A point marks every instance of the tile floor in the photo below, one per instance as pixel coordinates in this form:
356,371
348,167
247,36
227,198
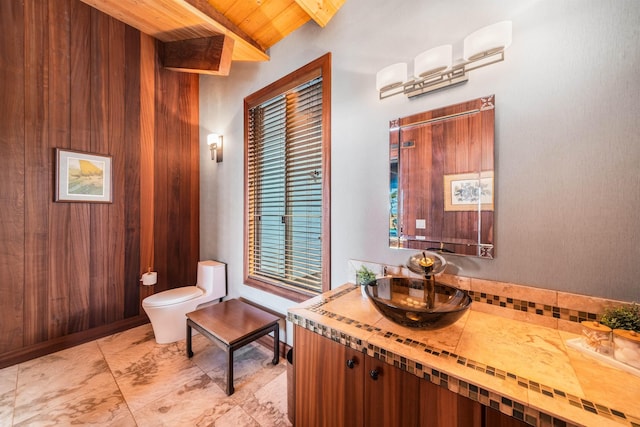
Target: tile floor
126,379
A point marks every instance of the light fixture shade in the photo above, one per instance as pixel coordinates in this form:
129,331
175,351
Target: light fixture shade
213,138
391,76
489,39
432,61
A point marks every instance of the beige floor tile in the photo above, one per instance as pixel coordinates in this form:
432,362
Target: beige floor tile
269,406
103,408
61,378
155,375
236,417
8,383
127,379
197,403
252,367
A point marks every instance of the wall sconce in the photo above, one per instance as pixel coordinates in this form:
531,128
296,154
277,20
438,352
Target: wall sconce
214,141
434,68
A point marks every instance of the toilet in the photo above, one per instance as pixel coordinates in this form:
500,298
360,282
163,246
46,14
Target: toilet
167,309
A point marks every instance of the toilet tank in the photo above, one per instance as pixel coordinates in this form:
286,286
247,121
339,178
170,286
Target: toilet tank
212,278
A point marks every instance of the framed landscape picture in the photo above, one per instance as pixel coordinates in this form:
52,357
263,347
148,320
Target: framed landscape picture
82,177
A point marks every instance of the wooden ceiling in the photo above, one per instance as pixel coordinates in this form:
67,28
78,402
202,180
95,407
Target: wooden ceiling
204,36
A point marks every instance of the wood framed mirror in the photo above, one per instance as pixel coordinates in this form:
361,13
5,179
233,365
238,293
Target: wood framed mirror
442,174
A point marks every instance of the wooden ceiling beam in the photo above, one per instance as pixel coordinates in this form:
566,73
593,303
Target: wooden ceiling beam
246,48
321,11
207,55
253,25
173,20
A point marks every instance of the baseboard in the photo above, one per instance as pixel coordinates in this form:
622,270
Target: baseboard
267,340
37,350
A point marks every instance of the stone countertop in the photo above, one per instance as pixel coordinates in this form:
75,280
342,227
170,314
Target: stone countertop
523,370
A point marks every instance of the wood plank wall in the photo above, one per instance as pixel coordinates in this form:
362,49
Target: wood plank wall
72,77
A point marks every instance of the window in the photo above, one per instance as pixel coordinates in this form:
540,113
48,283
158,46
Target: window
287,171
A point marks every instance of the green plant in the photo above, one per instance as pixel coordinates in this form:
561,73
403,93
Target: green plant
622,317
364,275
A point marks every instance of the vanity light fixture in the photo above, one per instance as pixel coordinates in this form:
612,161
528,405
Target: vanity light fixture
391,77
214,141
434,69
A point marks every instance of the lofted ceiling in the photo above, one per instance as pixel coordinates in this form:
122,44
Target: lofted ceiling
205,36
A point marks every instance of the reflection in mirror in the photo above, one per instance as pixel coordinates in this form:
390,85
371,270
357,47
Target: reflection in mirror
442,179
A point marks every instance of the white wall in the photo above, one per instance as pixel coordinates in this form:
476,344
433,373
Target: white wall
567,138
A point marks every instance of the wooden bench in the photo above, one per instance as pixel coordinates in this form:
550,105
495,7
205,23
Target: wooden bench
230,325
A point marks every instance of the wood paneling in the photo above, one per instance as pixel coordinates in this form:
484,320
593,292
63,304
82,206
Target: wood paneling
56,59
36,179
75,78
78,249
177,187
98,226
12,170
132,173
162,227
117,102
147,157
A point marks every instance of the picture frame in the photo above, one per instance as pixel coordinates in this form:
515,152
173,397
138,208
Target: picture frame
468,192
82,177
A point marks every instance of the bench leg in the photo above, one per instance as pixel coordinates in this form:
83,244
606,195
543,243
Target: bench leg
229,372
189,350
276,344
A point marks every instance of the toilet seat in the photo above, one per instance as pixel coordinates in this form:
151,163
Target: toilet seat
173,296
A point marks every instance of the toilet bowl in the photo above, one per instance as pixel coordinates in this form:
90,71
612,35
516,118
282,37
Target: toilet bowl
167,309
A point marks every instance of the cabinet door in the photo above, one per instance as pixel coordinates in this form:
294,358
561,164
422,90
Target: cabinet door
328,378
391,395
495,418
440,407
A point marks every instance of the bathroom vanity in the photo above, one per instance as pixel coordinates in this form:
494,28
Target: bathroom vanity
350,388
354,367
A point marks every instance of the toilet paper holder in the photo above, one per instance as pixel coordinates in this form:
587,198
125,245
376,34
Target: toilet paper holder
149,278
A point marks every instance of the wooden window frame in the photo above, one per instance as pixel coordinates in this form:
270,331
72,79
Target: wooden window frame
320,66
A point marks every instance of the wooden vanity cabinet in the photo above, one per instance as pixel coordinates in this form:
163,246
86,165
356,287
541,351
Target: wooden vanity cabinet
440,407
391,395
336,386
329,393
495,418
339,386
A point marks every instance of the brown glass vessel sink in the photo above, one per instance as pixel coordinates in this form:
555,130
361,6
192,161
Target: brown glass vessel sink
406,301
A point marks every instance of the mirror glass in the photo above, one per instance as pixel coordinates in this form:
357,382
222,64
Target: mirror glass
442,179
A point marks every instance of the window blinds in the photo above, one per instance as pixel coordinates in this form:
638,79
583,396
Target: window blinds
285,188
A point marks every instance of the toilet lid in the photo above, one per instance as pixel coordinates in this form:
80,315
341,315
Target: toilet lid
172,296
